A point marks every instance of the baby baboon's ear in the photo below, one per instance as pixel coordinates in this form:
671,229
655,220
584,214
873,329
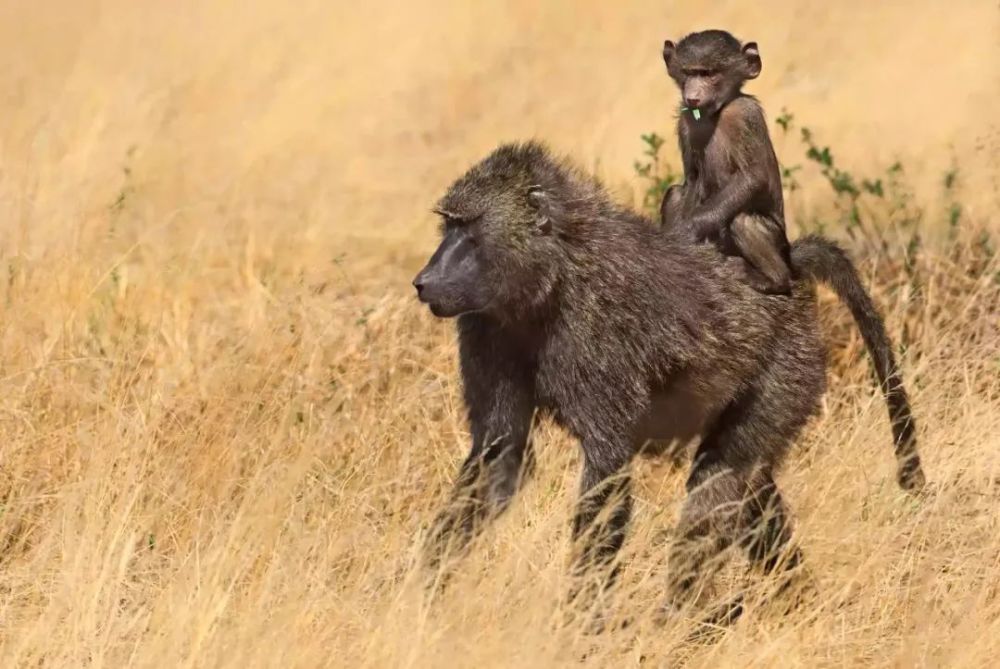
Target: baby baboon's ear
751,55
668,52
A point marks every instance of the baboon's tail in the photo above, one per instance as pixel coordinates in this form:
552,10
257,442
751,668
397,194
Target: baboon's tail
823,261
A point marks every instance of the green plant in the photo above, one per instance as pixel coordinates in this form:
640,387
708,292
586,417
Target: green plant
876,211
657,174
859,200
788,180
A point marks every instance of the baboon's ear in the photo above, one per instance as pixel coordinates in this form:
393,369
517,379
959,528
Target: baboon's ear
536,196
668,52
751,54
539,201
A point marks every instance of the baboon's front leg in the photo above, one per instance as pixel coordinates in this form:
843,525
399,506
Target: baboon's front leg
500,402
602,514
599,523
486,483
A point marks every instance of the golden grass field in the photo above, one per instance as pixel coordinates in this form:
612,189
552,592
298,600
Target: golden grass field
225,421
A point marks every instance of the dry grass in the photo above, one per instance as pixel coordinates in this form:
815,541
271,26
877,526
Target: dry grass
224,421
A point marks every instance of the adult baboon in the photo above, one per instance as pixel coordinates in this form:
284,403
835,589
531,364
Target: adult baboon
570,304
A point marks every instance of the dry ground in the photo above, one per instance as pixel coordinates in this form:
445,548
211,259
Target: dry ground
224,421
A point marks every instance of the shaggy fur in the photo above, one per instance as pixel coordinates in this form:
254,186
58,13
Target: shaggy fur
731,193
626,333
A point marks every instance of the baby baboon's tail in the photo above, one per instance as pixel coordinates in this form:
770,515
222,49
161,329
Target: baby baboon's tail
823,261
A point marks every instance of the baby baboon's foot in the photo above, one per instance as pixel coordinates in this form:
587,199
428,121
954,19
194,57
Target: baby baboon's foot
756,279
763,284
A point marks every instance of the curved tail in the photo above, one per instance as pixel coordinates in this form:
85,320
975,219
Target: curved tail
823,261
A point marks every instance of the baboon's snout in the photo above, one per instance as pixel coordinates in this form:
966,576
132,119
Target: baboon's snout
418,283
422,281
441,292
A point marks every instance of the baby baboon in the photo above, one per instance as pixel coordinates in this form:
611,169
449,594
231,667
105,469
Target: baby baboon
732,185
569,304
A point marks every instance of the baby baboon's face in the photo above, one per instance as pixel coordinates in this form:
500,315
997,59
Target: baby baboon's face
709,68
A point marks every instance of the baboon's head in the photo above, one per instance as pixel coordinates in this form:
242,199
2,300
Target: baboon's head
710,67
497,242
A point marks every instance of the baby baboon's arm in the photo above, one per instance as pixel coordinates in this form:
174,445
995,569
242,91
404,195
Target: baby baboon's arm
742,168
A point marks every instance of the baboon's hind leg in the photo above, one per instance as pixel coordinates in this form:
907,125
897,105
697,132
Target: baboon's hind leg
728,504
768,528
732,495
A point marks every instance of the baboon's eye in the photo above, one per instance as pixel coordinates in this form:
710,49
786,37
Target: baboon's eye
466,221
453,220
448,218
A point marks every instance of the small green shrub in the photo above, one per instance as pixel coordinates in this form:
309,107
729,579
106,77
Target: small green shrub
654,173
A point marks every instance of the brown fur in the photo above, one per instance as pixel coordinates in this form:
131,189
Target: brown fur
616,329
732,184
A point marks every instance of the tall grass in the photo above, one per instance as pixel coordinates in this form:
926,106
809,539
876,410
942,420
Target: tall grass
225,423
